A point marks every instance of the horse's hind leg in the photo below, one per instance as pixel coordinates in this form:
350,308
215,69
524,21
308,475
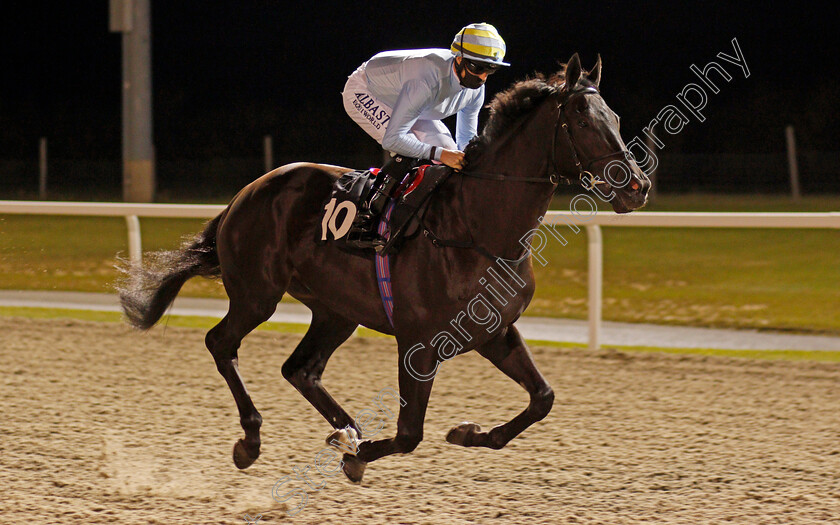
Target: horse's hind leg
223,341
510,355
304,367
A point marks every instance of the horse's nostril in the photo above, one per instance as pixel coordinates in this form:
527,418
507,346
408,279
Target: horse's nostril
635,186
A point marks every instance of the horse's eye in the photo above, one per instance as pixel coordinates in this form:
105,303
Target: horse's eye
582,123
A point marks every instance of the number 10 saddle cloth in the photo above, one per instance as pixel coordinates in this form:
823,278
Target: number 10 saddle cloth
346,206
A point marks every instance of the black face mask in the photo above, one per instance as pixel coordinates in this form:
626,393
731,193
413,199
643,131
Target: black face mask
467,79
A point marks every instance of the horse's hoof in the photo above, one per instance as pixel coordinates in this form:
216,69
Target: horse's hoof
241,457
346,440
460,435
354,468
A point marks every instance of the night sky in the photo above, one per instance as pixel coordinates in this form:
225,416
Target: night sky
225,73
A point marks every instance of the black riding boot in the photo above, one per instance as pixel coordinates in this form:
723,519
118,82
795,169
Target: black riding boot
389,177
363,233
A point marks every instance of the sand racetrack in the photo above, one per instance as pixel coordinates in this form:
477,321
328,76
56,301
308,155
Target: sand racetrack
101,424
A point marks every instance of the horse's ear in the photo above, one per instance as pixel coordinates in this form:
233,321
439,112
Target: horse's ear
573,72
595,74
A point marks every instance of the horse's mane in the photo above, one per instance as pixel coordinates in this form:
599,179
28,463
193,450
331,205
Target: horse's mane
509,106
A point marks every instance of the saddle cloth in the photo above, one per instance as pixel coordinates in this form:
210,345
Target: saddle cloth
411,199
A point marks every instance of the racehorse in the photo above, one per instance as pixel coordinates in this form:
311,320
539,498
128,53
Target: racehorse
541,131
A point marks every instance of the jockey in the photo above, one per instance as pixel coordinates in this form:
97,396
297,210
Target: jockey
400,97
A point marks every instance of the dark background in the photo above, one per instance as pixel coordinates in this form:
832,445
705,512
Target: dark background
227,73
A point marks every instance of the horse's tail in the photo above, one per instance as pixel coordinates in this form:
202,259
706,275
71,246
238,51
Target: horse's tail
148,289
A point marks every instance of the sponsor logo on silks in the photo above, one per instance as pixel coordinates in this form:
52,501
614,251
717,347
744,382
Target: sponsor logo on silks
368,107
331,218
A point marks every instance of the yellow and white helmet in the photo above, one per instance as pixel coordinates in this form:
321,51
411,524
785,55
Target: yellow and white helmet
480,43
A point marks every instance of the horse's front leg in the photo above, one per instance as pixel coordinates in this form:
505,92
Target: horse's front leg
510,355
415,383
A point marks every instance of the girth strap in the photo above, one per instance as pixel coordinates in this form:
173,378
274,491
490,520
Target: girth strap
383,268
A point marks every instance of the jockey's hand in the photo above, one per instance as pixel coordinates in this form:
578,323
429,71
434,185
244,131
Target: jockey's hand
452,158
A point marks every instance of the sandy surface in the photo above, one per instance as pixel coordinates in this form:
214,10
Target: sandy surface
104,425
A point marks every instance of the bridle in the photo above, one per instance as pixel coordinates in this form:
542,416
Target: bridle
583,171
584,175
553,179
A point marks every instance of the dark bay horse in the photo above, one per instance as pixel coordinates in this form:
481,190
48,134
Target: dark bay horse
263,245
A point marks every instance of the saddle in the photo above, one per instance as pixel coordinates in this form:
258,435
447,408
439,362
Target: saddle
410,202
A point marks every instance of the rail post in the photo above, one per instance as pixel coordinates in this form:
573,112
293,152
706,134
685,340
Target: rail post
42,168
793,165
596,283
135,249
268,153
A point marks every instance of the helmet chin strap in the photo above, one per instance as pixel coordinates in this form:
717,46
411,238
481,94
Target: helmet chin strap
465,78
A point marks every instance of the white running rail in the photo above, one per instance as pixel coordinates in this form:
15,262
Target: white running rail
592,223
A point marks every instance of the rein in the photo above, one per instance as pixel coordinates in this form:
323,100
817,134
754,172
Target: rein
553,179
453,243
500,177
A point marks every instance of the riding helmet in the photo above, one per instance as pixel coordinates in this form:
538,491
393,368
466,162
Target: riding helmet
480,43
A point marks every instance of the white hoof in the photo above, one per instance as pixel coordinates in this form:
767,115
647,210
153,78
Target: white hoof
346,440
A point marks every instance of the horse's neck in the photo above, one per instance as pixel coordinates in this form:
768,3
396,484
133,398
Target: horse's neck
500,213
